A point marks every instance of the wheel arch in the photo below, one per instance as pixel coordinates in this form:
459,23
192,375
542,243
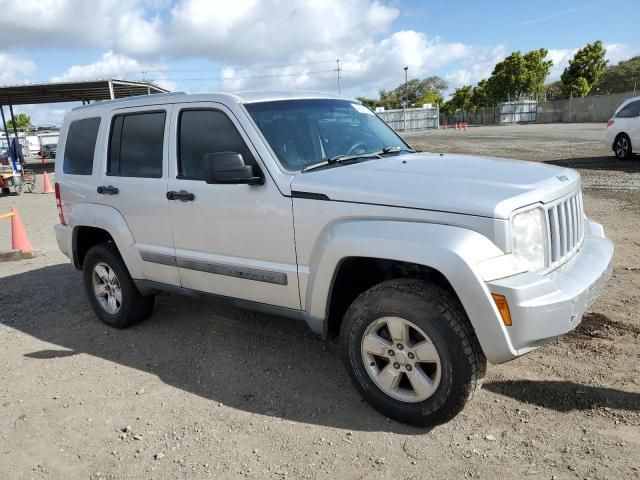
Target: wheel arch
83,238
92,224
443,254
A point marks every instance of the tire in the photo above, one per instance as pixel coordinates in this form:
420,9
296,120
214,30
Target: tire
622,147
18,189
431,312
101,264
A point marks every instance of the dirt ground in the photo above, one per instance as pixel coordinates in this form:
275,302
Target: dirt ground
202,390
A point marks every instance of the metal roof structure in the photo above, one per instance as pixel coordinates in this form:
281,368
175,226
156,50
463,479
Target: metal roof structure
85,91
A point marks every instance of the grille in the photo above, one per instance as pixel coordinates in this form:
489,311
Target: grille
566,228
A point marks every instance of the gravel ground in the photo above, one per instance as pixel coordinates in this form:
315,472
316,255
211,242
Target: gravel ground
202,390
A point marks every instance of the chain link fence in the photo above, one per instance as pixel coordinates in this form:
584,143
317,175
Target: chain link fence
592,109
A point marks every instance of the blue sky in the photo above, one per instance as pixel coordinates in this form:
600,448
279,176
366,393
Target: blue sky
234,45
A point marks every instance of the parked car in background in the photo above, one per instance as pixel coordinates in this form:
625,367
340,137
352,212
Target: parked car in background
48,151
623,130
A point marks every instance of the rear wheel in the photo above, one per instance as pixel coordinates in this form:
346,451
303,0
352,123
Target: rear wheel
622,147
411,352
112,293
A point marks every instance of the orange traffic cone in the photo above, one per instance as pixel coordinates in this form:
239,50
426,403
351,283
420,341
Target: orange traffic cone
19,239
47,188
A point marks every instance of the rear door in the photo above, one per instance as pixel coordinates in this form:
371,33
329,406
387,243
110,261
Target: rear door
135,183
233,240
634,127
628,120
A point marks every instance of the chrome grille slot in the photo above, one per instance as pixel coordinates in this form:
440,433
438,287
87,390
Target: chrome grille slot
566,230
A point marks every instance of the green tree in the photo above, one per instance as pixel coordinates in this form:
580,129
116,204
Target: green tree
432,97
623,77
462,99
579,87
480,97
519,76
412,93
584,70
369,102
554,91
23,121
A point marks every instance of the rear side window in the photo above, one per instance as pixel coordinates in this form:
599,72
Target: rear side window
80,146
206,131
136,145
629,111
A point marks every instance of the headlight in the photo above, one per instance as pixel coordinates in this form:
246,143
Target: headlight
528,234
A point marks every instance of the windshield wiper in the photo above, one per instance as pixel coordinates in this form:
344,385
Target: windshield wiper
346,158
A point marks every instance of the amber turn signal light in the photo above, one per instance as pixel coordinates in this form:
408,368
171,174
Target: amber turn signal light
503,308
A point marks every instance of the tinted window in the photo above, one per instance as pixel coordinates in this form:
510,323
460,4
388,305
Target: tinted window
206,131
135,147
630,110
80,146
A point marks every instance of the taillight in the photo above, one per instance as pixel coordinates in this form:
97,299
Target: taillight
59,204
610,122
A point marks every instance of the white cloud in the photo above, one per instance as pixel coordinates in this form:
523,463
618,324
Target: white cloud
46,114
476,66
244,36
137,35
14,68
560,58
244,31
80,23
110,65
616,52
367,66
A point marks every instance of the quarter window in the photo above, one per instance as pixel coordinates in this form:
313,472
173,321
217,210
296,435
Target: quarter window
80,146
202,132
630,111
136,145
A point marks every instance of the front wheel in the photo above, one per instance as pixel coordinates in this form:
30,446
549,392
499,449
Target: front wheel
411,352
114,297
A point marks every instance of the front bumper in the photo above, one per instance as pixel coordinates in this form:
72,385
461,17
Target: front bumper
544,307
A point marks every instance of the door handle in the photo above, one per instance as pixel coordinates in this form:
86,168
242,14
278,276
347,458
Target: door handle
182,195
109,190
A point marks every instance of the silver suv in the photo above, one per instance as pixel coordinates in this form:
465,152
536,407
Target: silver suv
309,206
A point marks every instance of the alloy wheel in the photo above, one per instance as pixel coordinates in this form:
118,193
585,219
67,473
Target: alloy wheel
401,359
106,288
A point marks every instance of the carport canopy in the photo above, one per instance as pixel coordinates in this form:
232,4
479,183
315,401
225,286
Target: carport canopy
86,91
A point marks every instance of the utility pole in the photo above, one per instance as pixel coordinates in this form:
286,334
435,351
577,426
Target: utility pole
339,79
406,97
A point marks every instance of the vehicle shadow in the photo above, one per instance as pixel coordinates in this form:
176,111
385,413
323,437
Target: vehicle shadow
565,396
609,163
249,361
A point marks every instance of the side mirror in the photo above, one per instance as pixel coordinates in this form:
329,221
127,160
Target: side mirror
228,167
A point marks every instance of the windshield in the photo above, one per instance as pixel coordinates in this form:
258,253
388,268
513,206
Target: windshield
304,132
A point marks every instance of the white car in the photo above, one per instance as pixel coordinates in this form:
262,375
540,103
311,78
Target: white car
311,207
623,130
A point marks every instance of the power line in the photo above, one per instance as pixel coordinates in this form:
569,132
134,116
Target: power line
278,75
237,67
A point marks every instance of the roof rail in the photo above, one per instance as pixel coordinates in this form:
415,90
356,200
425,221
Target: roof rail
128,99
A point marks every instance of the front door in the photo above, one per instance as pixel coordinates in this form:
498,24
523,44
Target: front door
135,184
233,240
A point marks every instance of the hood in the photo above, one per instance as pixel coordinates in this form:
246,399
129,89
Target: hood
485,186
